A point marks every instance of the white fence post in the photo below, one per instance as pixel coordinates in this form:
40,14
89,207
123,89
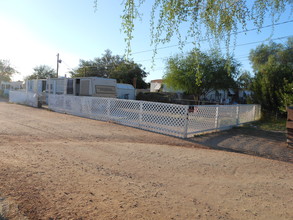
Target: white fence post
64,103
140,113
186,122
26,86
217,117
237,115
108,109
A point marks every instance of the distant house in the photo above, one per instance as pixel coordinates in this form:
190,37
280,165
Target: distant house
157,85
244,95
220,96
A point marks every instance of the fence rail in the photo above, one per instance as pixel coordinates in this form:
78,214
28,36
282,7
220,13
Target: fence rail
170,119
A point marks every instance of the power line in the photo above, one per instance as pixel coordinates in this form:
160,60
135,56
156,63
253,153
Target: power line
67,65
239,32
256,42
239,45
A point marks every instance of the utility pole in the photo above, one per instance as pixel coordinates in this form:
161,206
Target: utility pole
58,61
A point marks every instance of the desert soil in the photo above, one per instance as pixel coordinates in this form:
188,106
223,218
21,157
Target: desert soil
57,166
249,140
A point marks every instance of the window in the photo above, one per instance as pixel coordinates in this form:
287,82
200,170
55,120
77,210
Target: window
69,86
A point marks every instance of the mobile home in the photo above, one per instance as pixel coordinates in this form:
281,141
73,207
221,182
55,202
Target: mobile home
85,86
5,87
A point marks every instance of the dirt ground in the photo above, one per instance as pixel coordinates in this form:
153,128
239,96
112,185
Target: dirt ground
249,140
57,166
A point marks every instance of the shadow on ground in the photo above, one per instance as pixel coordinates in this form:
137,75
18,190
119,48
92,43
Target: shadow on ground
3,100
249,140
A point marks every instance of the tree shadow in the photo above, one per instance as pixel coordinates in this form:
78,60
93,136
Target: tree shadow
249,140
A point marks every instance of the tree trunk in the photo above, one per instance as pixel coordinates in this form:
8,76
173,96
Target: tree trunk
196,99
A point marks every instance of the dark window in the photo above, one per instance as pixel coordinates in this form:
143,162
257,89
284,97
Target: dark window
70,86
43,86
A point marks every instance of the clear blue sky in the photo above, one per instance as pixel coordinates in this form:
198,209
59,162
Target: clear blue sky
34,31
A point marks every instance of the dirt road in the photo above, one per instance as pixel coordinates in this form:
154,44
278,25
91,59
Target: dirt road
55,166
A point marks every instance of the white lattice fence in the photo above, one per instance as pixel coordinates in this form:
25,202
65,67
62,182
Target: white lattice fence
168,119
203,118
23,97
207,117
164,118
247,113
158,117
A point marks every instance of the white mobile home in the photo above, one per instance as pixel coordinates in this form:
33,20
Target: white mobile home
85,86
36,85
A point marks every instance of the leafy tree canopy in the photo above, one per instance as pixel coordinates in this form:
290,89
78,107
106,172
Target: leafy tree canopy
100,66
244,80
182,73
273,67
130,73
42,72
6,71
112,66
209,19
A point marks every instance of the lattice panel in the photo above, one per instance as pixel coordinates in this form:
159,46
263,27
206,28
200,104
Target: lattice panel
86,107
125,112
202,118
164,118
73,105
227,116
25,98
56,103
246,113
98,108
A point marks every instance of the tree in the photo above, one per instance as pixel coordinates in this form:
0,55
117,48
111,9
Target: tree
128,72
112,66
183,74
244,80
43,72
6,71
272,84
216,20
101,67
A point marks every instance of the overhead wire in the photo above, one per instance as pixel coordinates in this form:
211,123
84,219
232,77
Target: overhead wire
68,65
239,45
239,32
